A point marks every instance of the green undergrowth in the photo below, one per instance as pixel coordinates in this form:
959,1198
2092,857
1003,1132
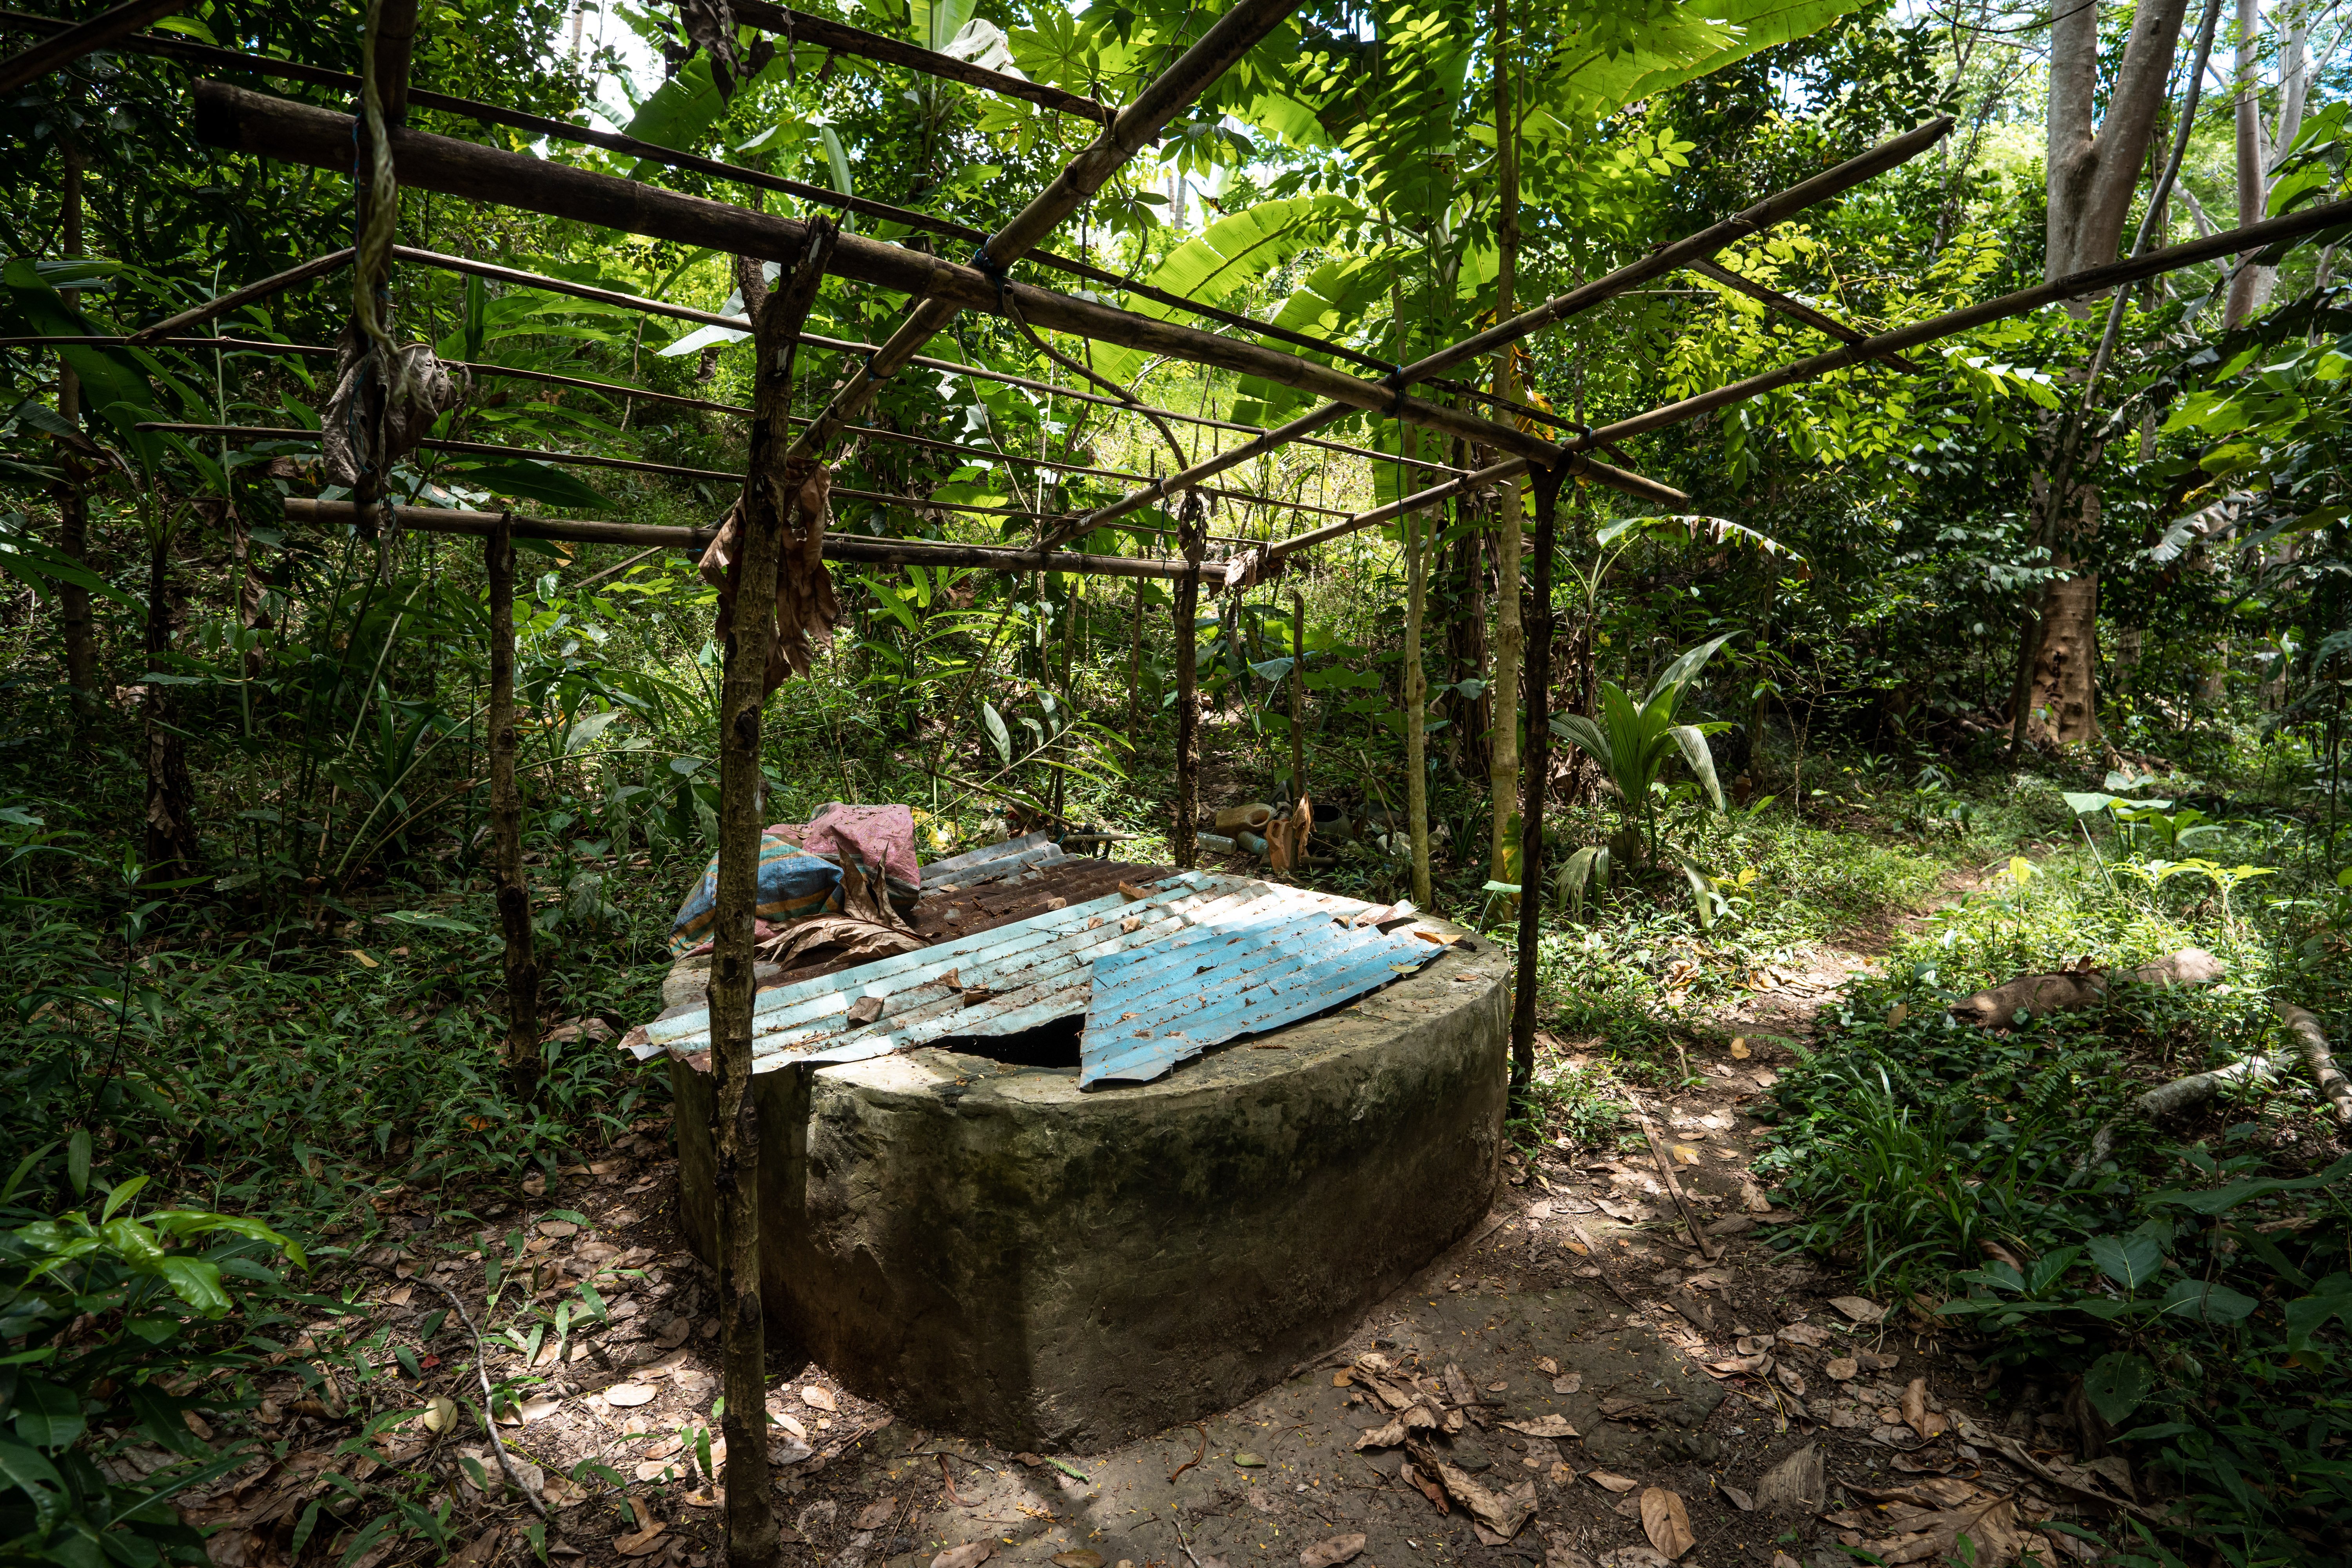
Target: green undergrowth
2189,1277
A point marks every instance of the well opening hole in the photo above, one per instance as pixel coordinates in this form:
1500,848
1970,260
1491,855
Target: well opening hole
1049,1044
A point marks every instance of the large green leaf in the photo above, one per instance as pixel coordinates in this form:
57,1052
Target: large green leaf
1236,250
1691,42
2117,1384
535,481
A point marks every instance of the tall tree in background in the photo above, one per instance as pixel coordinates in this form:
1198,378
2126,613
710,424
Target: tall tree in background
2092,169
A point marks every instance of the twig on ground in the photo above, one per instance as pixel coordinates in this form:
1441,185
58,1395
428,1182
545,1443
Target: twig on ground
1196,1458
952,1454
948,1477
2312,1040
1593,1248
1178,1521
1708,1248
489,1415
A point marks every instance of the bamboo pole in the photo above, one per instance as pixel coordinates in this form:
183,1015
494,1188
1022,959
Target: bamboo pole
799,27
1183,845
494,272
634,464
772,488
1536,777
1503,740
1773,209
2080,285
62,49
1796,309
317,267
1416,701
1298,696
246,122
1230,38
850,548
513,893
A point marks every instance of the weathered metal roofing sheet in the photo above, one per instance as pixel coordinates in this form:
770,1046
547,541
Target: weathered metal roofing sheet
1157,1005
1275,954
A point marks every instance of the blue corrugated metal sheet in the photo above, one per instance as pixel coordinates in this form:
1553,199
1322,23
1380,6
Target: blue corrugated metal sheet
1263,953
1157,1005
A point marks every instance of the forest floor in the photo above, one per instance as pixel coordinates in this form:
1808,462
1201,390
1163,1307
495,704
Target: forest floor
1751,1400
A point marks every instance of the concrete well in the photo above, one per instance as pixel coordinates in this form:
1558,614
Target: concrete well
993,1253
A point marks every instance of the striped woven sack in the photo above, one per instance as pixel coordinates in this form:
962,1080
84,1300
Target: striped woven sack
793,885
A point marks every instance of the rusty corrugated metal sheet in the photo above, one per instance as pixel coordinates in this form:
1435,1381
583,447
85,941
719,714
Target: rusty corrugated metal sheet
1278,954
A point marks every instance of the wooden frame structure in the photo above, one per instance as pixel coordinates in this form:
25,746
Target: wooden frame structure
238,119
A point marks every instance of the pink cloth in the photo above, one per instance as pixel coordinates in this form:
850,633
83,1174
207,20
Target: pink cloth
877,833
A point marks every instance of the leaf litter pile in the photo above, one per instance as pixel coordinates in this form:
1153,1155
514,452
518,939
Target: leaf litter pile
1609,1373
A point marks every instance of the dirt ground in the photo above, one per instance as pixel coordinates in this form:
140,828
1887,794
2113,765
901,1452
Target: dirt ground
1726,1409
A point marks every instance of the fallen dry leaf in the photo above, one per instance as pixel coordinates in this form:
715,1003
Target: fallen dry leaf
1803,1334
1796,1485
1915,1413
1568,1382
640,1543
1740,1500
674,1333
1667,1522
1547,1366
970,1554
626,1394
1739,1049
817,1398
1329,1553
536,1183
1613,1483
1790,1380
558,1228
1387,1436
1080,1558
652,1469
877,1514
865,1010
1842,1367
1543,1427
1858,1308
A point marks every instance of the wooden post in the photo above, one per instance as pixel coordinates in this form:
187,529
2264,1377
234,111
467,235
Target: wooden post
1416,693
1188,699
99,32
1538,775
1503,741
772,491
522,1056
1298,696
73,502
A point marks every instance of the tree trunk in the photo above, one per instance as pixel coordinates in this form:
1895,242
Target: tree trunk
1531,811
512,893
773,486
2061,697
171,849
2250,290
1502,743
2094,166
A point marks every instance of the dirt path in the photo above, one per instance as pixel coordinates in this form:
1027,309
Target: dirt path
1779,1422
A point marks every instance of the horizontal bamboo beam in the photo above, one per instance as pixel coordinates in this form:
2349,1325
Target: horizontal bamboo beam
2080,285
1771,210
849,549
1797,310
675,471
799,27
317,267
246,122
188,52
69,43
520,278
